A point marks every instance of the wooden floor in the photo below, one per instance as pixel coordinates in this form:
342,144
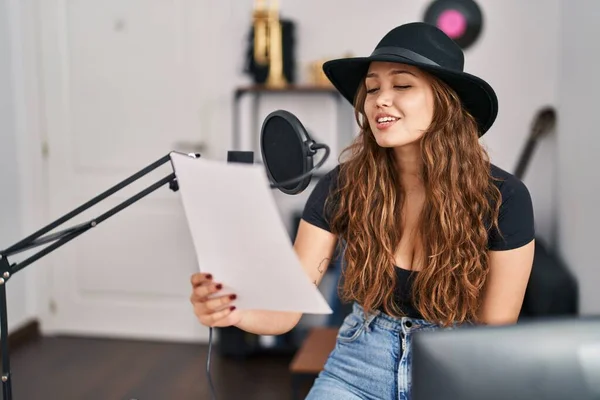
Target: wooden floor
100,369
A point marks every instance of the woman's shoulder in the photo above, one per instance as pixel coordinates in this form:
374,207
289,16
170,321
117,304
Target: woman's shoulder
333,173
516,218
502,174
315,211
327,181
507,183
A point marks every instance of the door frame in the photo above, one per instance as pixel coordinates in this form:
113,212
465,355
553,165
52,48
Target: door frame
31,147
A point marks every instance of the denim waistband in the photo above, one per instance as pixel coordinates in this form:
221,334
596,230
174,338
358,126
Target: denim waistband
388,322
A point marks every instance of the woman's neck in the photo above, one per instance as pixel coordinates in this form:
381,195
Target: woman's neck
410,167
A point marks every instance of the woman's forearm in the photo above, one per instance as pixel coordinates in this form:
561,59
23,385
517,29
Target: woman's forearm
262,322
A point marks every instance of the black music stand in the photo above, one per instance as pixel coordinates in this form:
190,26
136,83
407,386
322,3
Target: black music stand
41,237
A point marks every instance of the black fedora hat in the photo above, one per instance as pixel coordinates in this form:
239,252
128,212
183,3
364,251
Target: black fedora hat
428,48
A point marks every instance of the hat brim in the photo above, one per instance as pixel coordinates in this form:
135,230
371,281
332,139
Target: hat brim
477,96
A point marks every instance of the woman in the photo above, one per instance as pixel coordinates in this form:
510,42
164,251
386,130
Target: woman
434,235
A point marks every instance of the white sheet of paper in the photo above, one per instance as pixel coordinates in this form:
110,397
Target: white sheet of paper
239,236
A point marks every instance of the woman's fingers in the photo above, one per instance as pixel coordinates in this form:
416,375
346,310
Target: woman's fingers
214,318
212,310
199,278
207,306
219,302
205,290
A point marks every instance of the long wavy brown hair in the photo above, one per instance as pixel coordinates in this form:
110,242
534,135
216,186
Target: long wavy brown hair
462,204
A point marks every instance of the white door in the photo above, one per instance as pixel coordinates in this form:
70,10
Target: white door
119,92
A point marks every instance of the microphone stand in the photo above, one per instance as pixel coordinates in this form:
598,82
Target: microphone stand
7,270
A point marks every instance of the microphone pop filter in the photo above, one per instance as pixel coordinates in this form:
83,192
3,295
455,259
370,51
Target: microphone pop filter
287,151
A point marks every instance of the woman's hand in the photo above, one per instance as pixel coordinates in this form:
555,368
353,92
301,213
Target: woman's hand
216,311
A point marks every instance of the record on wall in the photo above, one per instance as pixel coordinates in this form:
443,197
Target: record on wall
461,20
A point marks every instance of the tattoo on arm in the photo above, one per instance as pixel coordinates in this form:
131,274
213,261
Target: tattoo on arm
321,268
322,265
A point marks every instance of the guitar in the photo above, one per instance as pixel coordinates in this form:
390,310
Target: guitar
544,122
552,289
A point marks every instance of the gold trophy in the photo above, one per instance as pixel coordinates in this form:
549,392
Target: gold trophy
268,42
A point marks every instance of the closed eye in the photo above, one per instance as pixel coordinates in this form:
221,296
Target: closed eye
373,90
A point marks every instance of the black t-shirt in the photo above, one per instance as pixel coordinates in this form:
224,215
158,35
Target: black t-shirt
515,220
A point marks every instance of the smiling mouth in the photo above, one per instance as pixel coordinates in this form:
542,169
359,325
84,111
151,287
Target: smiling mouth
386,122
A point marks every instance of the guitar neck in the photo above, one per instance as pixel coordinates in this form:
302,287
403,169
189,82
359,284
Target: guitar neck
525,158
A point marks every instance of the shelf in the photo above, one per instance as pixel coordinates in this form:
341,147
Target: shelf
296,89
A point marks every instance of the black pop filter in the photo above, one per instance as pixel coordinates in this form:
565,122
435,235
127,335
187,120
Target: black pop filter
288,152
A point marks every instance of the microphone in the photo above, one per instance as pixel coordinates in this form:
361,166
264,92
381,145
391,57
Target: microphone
288,152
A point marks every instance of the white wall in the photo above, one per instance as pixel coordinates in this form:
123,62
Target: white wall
579,146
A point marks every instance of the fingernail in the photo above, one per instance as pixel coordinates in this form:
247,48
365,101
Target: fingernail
233,297
208,276
219,286
232,308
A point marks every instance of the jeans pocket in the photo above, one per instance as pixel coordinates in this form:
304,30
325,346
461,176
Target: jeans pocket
351,329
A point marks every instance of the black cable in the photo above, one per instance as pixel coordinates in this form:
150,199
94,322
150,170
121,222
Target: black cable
210,382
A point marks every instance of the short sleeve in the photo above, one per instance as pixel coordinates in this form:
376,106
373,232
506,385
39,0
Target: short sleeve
516,217
314,210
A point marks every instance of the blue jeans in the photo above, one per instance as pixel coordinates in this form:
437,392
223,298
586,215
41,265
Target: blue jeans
371,358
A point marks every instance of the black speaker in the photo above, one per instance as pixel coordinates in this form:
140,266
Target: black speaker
246,157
